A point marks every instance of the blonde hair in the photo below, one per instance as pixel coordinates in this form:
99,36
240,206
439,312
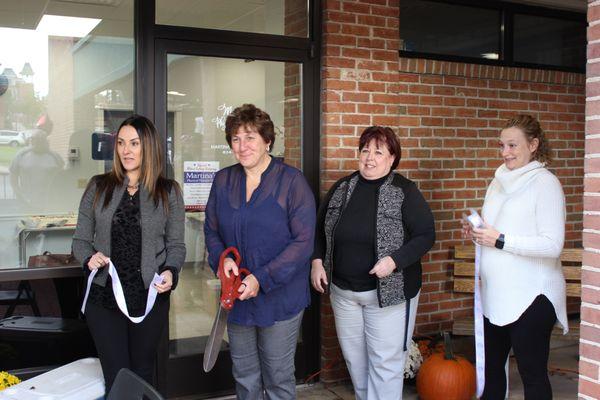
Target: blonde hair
530,126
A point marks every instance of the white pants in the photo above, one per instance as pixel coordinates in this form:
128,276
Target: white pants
372,341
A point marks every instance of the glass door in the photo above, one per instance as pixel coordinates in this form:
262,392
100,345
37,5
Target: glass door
198,93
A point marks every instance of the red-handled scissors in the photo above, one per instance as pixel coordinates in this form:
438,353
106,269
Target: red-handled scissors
230,286
229,293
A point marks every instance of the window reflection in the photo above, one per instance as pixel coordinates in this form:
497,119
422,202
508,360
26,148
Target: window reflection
66,71
277,17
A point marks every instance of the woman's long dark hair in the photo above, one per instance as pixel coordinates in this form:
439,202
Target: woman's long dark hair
151,168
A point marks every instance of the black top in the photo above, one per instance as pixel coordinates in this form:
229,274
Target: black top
354,252
126,254
417,224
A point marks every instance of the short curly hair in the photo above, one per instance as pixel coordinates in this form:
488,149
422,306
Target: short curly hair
250,116
382,134
530,126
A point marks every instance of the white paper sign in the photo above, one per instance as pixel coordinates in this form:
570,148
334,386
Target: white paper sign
197,180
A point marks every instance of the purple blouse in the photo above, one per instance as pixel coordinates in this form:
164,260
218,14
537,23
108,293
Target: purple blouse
274,233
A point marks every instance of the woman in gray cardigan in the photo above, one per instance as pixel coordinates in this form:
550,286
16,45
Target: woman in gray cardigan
133,217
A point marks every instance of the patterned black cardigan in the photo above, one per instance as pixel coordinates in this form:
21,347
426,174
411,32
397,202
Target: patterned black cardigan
405,231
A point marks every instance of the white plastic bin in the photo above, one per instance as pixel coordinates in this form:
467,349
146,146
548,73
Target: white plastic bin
79,380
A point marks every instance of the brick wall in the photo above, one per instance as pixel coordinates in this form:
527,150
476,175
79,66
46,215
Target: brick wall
448,116
359,88
589,346
451,115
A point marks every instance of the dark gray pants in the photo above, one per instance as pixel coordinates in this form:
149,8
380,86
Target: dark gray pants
263,359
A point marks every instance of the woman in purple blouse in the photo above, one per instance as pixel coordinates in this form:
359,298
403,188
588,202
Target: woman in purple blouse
266,209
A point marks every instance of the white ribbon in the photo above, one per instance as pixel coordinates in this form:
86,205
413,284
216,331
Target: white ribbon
120,296
479,338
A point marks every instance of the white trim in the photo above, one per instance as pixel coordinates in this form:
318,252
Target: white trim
591,250
590,268
592,306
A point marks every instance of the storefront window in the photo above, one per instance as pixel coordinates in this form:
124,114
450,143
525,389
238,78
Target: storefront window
66,80
276,17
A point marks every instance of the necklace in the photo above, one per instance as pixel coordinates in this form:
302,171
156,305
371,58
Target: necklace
133,187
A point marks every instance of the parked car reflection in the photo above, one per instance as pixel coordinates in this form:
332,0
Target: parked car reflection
12,138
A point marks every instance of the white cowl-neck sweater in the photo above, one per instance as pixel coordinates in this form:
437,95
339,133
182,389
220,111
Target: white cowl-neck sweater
527,205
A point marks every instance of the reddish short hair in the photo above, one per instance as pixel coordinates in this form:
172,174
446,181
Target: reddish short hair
382,134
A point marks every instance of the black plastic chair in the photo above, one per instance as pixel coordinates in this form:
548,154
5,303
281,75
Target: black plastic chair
130,386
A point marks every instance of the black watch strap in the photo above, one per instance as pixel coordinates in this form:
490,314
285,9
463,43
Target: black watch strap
500,242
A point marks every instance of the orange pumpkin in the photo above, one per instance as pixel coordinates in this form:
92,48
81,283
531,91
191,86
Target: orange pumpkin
444,376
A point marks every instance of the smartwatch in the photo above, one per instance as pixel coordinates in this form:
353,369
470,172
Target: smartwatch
500,242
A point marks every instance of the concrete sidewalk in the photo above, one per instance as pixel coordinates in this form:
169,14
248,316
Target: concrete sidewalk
563,366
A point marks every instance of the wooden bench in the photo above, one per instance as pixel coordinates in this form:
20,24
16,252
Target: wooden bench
464,282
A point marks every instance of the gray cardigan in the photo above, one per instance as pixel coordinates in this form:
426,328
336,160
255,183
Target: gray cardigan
162,234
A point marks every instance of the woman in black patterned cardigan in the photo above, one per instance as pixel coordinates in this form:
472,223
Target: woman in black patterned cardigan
373,227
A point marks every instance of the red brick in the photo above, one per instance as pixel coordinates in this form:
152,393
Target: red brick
370,43
371,20
356,53
593,51
589,333
356,8
339,107
591,296
370,65
338,62
356,97
371,86
339,17
384,98
589,314
340,85
420,89
454,80
371,108
588,388
356,30
356,119
385,11
342,40
385,33
593,13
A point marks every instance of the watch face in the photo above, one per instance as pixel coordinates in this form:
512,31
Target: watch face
499,243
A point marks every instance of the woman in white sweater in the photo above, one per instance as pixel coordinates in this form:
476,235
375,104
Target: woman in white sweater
523,288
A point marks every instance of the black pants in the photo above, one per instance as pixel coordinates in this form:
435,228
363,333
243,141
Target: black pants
529,337
122,344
